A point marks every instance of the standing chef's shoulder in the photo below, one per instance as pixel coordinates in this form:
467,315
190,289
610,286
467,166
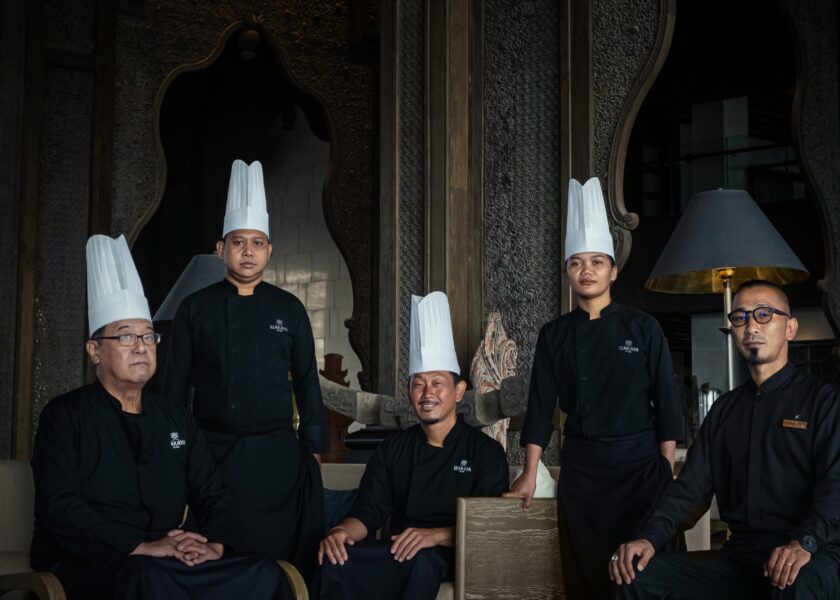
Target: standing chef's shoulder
485,446
637,319
556,329
288,302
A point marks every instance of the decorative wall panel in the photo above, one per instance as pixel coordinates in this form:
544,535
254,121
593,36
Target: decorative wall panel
69,26
157,39
412,198
64,174
522,255
12,58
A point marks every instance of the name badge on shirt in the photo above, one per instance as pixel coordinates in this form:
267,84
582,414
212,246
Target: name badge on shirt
795,424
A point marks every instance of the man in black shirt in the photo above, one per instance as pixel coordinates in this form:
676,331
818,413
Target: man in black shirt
770,452
414,478
609,369
115,466
246,346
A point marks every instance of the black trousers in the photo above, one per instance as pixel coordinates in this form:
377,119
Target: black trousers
276,494
147,578
371,573
606,493
731,575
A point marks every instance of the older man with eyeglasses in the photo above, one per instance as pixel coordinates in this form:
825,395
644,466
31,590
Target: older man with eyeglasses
116,466
770,451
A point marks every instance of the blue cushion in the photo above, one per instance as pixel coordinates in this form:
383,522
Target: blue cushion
337,504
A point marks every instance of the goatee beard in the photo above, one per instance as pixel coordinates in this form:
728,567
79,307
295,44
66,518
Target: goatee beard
753,358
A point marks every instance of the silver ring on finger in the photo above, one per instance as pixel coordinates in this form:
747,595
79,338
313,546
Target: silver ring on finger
614,558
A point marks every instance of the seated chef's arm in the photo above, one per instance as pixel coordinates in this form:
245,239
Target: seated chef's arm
666,396
374,502
73,524
823,520
688,497
312,431
207,498
493,474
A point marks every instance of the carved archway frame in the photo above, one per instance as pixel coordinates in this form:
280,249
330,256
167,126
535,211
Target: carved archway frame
815,123
189,42
621,30
630,42
613,52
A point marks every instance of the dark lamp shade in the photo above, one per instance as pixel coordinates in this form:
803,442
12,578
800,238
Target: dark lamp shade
201,271
723,229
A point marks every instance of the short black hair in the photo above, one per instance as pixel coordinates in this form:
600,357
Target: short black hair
98,332
752,283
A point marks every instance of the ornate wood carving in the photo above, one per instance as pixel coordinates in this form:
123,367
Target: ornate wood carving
522,181
816,125
160,39
630,41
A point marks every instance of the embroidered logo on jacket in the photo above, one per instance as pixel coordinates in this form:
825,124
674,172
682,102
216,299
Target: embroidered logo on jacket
175,440
628,347
464,467
278,326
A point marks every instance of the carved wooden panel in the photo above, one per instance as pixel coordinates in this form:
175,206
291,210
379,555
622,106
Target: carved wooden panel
64,188
412,171
522,268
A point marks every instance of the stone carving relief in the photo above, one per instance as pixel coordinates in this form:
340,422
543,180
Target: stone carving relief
494,361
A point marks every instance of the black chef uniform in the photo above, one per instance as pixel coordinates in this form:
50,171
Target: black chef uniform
614,379
106,480
771,455
415,484
237,352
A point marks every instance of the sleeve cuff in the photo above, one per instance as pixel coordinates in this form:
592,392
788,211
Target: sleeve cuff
366,520
656,536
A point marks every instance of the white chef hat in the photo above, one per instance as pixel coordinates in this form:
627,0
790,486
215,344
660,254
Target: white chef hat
587,228
432,347
246,208
113,286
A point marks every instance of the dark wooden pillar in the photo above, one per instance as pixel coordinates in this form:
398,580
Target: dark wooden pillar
575,110
454,155
28,256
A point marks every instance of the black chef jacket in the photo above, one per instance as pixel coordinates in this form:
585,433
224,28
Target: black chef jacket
772,457
612,376
94,500
416,484
237,352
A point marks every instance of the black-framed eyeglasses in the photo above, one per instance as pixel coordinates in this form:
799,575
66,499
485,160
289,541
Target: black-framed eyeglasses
762,314
129,339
